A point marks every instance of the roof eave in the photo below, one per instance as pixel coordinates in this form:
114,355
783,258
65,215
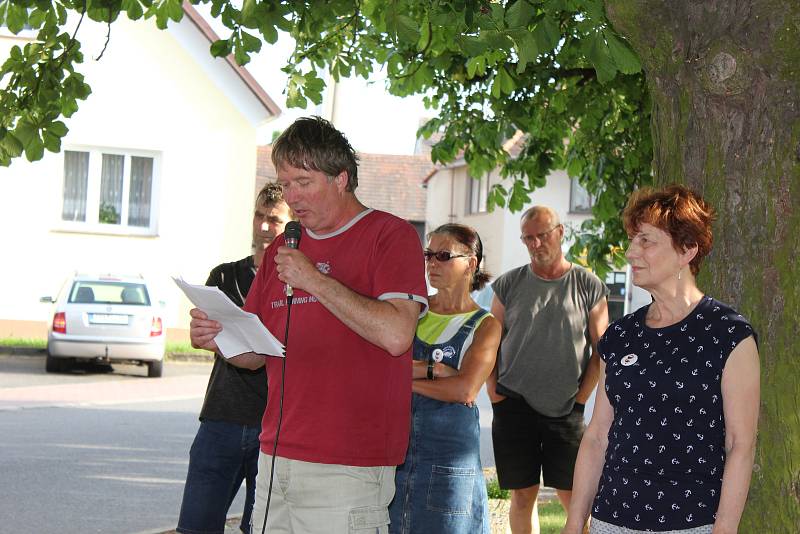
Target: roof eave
243,74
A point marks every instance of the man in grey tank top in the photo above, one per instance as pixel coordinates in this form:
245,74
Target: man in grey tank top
553,313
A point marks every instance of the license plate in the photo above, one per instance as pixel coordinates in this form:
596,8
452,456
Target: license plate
105,318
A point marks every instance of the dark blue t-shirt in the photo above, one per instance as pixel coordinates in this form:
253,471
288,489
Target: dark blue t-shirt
666,445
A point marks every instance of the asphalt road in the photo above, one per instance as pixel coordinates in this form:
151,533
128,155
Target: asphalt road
100,451
95,451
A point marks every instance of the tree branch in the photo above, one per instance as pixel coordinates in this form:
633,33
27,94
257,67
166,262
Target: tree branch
108,37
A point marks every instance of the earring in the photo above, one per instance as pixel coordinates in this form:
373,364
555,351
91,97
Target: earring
679,273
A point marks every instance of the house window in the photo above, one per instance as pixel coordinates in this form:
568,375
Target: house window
615,281
477,194
109,191
580,201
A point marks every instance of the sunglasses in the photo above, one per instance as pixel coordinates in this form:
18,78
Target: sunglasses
442,255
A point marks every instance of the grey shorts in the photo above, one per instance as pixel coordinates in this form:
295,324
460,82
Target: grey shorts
601,527
311,498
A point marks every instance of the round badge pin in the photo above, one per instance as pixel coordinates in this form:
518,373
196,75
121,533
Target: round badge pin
438,355
628,360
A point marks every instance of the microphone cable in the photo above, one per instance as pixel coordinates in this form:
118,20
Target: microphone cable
289,299
292,234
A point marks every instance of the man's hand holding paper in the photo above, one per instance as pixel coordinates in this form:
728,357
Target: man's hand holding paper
203,330
221,326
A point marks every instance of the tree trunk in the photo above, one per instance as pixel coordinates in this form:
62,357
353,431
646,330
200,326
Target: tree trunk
724,78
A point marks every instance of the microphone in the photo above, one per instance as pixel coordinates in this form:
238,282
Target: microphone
292,234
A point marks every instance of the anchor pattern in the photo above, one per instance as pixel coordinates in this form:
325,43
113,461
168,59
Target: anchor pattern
665,455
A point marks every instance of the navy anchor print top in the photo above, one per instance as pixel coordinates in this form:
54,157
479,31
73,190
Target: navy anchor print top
666,445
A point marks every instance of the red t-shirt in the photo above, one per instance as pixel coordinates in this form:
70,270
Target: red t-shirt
346,401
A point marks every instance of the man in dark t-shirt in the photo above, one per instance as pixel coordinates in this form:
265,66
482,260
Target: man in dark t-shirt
225,449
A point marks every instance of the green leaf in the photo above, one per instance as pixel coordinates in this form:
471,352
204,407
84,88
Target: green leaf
594,9
34,150
175,10
240,54
553,6
58,128
16,17
25,132
133,8
596,51
624,58
471,46
404,28
519,196
52,142
37,18
547,34
69,107
527,49
161,19
248,9
476,65
11,145
269,32
604,207
496,39
216,7
497,197
575,167
519,14
221,48
503,83
250,42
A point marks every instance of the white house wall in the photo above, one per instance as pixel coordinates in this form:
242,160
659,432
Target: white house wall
148,94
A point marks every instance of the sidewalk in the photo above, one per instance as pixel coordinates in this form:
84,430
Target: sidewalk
498,510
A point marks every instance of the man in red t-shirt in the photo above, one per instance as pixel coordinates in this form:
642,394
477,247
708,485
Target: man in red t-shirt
359,288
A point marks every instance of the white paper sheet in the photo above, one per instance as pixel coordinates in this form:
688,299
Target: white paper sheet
241,331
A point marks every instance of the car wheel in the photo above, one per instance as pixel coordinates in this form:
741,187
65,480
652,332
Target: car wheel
155,369
54,365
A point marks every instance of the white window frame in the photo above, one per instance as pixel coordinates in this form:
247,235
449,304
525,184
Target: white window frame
92,225
614,278
480,187
25,34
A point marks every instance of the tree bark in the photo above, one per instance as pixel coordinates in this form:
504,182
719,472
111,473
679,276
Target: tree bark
724,78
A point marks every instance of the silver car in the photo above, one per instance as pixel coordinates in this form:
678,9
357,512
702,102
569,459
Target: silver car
105,319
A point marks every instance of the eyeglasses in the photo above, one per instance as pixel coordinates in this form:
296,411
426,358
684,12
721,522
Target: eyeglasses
442,255
541,236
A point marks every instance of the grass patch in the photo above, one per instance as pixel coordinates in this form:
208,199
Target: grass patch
23,342
183,348
29,343
551,517
495,491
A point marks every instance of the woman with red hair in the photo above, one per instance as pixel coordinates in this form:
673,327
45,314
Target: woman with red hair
671,442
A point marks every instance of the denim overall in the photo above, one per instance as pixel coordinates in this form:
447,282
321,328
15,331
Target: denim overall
440,487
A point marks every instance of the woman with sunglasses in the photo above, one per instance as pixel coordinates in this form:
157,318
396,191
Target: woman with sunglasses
440,486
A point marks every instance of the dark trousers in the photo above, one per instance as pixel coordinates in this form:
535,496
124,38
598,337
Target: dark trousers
222,456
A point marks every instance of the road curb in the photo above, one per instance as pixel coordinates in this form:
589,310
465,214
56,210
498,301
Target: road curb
22,351
168,357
